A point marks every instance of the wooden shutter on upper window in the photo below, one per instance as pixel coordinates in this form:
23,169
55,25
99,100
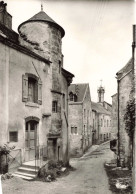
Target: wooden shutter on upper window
24,88
39,91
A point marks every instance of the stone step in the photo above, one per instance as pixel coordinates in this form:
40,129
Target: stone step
30,166
28,170
23,177
25,174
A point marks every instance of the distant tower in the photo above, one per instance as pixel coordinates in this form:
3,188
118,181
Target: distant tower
101,91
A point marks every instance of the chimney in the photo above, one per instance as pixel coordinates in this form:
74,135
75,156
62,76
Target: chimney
5,17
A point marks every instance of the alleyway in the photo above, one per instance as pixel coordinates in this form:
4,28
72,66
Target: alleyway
88,178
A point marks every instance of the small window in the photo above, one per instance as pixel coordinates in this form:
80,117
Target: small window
71,96
13,136
54,106
84,113
72,130
84,129
93,123
59,66
75,130
107,123
63,101
101,123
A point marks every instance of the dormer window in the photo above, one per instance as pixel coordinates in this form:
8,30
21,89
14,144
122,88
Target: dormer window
72,97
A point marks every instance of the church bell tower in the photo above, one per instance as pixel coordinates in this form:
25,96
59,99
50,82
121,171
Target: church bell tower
101,91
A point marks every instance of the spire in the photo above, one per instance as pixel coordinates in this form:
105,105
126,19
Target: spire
101,91
41,6
101,82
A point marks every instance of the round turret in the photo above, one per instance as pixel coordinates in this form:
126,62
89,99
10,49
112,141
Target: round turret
41,34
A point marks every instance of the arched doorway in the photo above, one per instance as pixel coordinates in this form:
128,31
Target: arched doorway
30,139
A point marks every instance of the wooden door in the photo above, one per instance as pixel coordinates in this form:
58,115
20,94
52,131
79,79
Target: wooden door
30,140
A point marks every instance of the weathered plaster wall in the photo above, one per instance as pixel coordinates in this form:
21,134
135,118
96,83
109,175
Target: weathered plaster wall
105,130
87,120
125,86
15,64
114,116
80,116
75,119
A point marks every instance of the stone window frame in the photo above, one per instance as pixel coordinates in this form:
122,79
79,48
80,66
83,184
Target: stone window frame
74,130
13,136
25,89
72,97
54,106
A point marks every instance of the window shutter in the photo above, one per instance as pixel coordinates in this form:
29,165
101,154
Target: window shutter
39,92
25,88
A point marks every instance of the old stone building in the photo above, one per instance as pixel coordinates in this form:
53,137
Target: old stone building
125,82
80,118
101,114
33,88
114,116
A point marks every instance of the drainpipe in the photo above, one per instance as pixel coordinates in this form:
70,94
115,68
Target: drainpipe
118,155
134,135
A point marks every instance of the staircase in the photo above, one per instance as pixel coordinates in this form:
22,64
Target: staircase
27,172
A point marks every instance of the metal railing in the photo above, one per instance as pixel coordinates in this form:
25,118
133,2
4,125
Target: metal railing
41,154
14,159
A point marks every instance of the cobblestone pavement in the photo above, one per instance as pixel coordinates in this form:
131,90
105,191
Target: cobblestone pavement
88,178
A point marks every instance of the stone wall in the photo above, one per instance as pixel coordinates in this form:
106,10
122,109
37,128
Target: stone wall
80,116
14,111
125,86
114,116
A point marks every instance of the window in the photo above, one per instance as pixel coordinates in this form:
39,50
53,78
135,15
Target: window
59,66
84,129
107,123
31,89
93,124
72,97
101,123
63,101
54,106
13,136
73,130
104,122
84,113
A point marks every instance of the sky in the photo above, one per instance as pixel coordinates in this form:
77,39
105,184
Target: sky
98,36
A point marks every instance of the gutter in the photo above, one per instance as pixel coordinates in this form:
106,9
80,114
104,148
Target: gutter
118,156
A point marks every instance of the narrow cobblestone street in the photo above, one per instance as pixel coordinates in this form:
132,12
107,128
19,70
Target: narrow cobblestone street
88,178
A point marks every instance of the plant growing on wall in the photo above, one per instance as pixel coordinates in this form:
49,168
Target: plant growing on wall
4,151
129,118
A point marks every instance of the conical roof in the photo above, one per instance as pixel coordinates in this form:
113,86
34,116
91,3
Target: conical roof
42,16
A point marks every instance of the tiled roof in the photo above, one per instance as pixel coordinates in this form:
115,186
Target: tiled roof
42,16
99,108
78,89
125,69
8,33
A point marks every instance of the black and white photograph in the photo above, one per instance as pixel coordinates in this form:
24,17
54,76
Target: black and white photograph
67,97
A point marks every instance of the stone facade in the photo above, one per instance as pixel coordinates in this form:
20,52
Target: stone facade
34,88
80,119
114,116
125,83
101,123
